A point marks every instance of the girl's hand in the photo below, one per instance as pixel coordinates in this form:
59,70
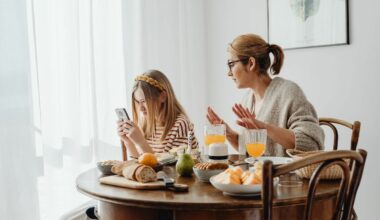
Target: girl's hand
133,132
246,119
122,132
131,149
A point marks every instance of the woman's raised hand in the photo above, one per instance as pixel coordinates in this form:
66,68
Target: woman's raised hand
213,118
246,118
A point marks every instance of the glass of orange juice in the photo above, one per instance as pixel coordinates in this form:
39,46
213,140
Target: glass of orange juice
256,140
214,134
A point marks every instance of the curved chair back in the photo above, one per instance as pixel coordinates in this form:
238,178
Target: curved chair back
347,191
124,151
332,122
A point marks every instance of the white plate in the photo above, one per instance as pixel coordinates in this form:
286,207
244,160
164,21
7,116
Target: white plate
238,189
275,160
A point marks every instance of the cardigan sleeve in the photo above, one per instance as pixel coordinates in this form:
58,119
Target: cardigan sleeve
303,121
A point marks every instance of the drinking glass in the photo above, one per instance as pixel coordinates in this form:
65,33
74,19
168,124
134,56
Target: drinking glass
256,140
214,134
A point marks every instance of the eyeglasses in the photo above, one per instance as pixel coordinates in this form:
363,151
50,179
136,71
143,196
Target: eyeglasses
231,63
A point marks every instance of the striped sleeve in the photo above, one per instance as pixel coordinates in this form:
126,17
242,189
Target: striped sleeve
178,135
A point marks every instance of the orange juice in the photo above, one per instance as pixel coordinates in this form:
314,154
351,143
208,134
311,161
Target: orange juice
255,149
217,138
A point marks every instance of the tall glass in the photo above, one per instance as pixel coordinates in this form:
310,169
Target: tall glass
256,140
214,134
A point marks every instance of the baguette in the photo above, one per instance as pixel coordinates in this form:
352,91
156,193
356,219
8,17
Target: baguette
129,171
145,174
118,168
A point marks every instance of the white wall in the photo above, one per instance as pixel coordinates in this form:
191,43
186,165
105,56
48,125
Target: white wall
340,81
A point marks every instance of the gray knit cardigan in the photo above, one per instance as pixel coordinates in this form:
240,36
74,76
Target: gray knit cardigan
285,105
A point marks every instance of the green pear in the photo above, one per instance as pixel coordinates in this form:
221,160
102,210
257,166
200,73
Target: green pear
184,166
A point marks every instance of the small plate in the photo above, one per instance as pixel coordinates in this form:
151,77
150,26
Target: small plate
168,162
275,160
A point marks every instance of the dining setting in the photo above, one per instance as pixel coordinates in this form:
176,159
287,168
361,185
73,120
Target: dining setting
213,184
224,110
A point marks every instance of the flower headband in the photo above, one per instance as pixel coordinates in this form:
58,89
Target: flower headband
150,81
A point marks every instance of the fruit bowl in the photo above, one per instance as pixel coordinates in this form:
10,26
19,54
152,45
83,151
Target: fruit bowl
105,166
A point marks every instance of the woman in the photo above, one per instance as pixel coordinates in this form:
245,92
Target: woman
272,103
159,121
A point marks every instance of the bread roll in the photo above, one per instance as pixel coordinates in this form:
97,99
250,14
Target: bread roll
129,171
137,172
145,174
118,168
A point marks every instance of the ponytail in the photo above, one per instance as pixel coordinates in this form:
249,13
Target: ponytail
278,58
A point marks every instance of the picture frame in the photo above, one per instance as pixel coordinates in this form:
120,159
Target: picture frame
296,24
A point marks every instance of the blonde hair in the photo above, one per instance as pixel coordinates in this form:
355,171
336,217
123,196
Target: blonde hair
252,45
153,83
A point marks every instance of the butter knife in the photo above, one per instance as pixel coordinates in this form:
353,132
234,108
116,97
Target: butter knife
170,183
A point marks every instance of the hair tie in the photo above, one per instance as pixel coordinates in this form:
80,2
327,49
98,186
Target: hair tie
150,81
270,47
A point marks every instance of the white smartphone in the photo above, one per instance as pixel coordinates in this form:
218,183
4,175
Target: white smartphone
122,114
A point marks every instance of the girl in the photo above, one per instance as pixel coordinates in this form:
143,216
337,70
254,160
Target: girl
159,121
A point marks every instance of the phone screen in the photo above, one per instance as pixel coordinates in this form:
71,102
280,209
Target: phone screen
122,114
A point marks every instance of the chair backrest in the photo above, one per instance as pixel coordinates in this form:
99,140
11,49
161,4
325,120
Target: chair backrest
123,151
332,122
347,190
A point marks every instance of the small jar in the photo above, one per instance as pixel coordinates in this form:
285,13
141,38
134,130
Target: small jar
218,152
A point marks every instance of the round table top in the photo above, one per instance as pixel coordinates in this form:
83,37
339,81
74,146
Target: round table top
200,195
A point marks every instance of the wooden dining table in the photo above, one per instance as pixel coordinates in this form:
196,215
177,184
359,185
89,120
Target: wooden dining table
202,201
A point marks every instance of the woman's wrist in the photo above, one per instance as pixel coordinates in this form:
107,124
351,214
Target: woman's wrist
233,138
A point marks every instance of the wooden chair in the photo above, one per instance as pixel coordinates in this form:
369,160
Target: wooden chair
124,151
332,122
347,191
355,127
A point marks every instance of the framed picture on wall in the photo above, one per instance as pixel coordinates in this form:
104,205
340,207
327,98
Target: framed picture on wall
307,23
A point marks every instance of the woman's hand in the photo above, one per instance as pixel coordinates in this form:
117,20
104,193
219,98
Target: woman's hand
246,119
213,118
232,135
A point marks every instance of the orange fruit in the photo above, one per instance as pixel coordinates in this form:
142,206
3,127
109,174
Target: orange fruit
148,159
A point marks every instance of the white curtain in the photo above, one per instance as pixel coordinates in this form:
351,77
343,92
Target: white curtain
170,36
18,160
79,77
84,56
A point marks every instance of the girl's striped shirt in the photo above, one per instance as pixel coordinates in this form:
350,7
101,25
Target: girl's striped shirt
177,136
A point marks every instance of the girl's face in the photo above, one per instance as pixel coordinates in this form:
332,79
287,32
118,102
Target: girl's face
238,71
139,99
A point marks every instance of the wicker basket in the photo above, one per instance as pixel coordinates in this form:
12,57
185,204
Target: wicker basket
331,173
